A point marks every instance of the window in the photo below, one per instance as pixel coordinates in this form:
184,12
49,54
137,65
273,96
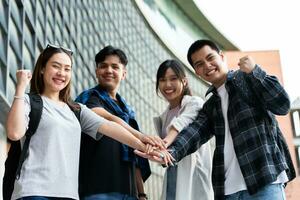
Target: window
298,157
296,123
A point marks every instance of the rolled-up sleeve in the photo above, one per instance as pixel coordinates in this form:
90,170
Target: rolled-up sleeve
188,114
191,137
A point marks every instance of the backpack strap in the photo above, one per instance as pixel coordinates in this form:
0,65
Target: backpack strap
36,105
75,107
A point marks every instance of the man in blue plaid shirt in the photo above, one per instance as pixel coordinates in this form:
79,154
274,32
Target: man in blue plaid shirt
251,159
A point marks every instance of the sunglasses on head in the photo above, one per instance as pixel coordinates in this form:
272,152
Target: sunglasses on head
66,50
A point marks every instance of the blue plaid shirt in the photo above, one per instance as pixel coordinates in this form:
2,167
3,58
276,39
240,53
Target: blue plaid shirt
259,145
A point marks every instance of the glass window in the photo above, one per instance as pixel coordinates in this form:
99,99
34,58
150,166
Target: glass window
296,122
29,7
58,37
298,157
16,14
28,59
11,83
2,77
50,16
13,63
29,35
3,14
39,9
40,28
15,38
66,13
3,42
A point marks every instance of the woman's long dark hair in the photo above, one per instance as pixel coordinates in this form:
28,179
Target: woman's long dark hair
37,84
178,69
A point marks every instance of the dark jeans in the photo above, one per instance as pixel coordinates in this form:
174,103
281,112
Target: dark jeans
110,196
43,198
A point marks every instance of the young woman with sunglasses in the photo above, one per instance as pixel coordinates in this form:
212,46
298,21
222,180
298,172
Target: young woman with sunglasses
50,170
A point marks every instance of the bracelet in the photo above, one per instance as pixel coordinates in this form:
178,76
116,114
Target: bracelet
142,195
19,97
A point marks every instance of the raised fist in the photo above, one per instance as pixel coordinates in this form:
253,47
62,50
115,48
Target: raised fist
246,64
23,77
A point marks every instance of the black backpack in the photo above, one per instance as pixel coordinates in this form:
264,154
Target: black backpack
16,156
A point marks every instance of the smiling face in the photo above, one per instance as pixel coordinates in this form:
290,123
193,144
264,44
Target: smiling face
210,65
57,73
110,72
171,87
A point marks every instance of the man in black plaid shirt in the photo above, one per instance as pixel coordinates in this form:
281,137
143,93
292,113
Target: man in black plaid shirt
251,159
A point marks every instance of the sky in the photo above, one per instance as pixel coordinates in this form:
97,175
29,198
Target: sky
261,25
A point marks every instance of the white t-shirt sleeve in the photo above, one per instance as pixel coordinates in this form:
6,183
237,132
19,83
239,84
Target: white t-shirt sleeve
90,122
188,113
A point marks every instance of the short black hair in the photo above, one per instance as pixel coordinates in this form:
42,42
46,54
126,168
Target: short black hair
108,51
198,45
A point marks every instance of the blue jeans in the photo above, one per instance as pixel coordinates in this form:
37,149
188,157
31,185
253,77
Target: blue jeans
269,192
110,196
43,198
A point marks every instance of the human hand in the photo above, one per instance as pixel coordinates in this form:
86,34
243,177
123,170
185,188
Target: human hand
150,148
23,77
153,140
167,142
142,198
159,156
246,64
166,156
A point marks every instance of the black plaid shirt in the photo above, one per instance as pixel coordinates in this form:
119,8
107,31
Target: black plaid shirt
259,145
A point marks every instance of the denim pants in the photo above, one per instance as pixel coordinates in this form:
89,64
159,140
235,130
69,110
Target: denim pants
43,198
110,196
269,192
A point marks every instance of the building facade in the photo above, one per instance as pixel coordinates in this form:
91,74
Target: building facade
86,26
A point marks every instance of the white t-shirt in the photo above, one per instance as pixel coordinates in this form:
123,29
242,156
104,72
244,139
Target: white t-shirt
51,168
234,180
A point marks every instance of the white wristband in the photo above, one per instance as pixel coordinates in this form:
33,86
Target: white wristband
19,97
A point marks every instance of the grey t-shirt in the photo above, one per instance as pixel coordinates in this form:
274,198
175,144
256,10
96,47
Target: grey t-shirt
51,169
